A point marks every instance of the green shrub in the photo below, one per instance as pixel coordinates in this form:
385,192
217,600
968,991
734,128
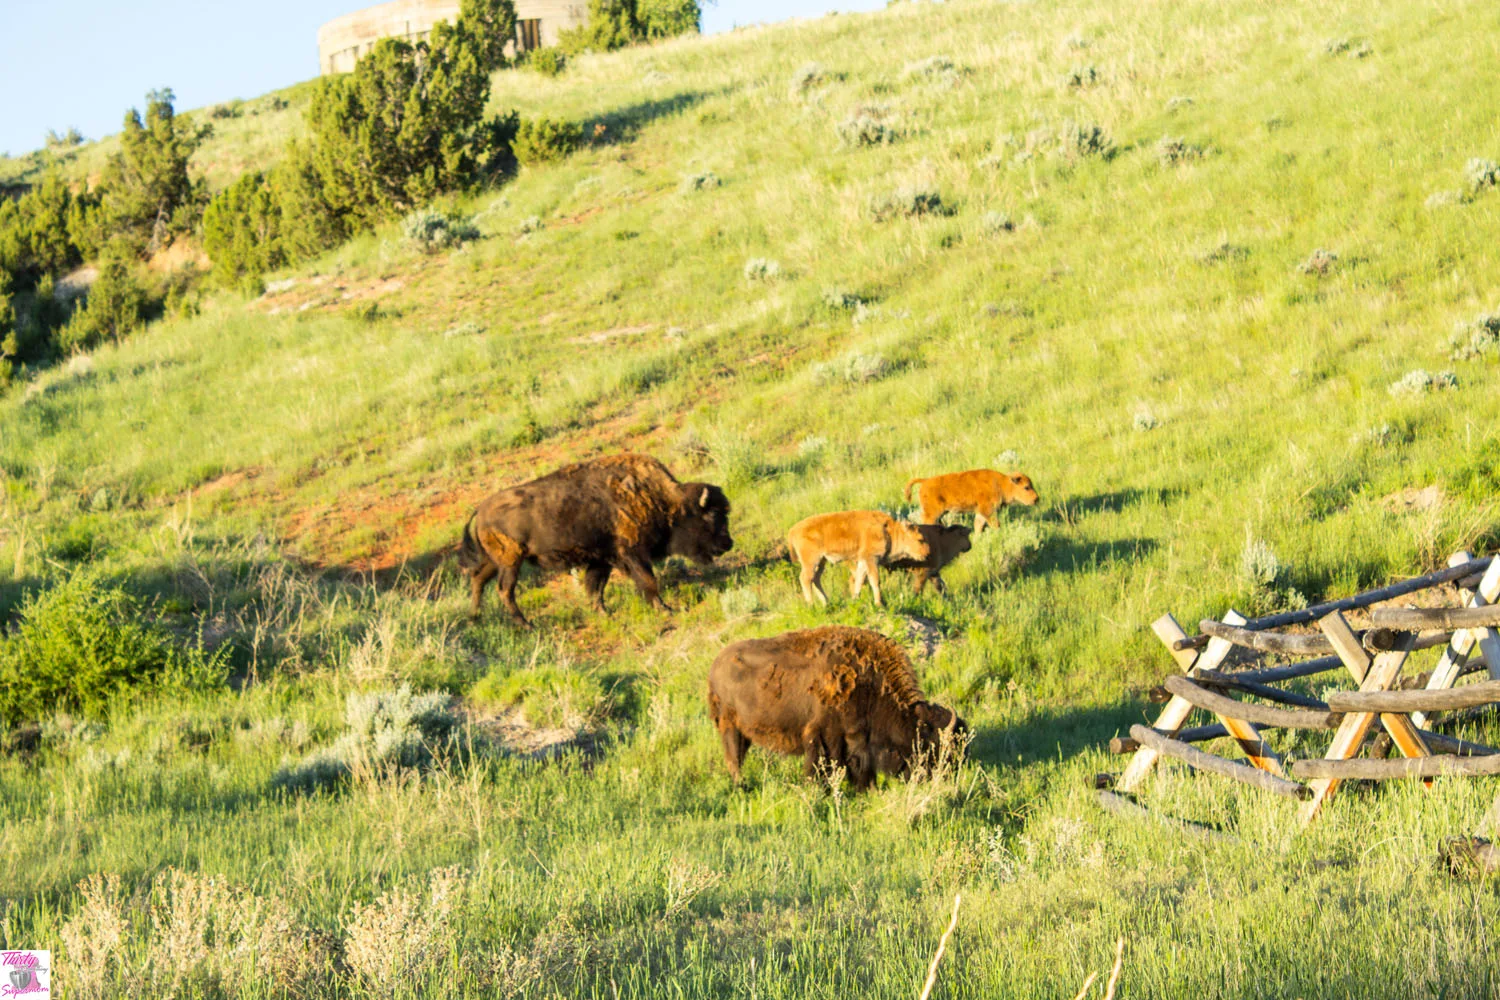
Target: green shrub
868,125
545,140
1479,339
808,75
853,369
1083,140
548,61
1172,150
242,231
432,232
1419,381
82,645
116,305
614,24
387,732
148,197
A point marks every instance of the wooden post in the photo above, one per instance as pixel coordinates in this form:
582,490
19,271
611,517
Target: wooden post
1178,709
1376,675
1463,642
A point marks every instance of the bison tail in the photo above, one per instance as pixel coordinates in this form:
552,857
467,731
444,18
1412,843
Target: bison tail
909,484
471,555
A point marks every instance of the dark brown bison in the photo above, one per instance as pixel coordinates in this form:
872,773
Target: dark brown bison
945,543
618,512
838,696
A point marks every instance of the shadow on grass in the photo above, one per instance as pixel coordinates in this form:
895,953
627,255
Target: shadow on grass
624,124
1112,502
1060,554
1055,732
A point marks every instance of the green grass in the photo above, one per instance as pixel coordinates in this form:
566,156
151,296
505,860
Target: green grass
1141,339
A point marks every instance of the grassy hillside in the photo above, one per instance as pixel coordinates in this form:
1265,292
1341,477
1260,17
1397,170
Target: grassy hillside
1136,317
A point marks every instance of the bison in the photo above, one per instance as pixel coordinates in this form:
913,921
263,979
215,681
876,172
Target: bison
866,538
617,512
982,491
945,542
838,696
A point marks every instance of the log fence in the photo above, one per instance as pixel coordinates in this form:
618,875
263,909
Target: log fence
1247,701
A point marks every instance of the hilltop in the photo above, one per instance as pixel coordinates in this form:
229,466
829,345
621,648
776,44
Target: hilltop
1178,262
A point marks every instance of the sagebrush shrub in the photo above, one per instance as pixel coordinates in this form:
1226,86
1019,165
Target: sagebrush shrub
741,602
1081,76
808,75
1223,253
1479,339
1321,262
933,69
761,269
868,125
908,202
1481,173
82,645
1084,139
1418,381
530,224
1172,150
853,369
841,300
387,731
431,231
1259,565
705,180
996,223
1145,420
546,140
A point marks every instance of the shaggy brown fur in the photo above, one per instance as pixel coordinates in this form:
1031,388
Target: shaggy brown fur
840,696
616,512
867,538
980,491
947,542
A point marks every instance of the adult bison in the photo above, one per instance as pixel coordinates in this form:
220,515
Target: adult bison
617,512
836,695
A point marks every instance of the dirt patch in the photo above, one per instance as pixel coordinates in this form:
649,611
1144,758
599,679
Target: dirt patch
510,732
70,286
1414,499
923,632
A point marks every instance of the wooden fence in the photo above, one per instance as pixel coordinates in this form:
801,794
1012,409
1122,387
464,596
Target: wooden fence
1248,703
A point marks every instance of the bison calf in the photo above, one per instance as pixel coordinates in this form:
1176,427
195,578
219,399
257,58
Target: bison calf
617,512
979,491
839,696
866,538
946,542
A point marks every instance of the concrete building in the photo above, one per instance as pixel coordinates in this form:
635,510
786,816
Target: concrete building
342,41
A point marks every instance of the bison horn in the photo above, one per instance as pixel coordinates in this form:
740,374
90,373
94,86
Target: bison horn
952,726
703,499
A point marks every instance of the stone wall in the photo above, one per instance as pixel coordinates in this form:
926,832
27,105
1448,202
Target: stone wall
342,41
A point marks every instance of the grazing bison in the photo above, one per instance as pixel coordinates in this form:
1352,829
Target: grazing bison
946,542
981,491
867,538
617,512
838,696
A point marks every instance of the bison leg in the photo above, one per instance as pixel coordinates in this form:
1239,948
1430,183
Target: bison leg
594,580
645,582
736,745
937,583
932,512
477,581
982,519
509,577
812,581
863,571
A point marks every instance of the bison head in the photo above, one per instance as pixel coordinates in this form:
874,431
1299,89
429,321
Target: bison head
701,530
951,541
1022,491
896,743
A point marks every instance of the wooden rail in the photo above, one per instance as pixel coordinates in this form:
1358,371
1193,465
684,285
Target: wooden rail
1406,702
1192,756
1219,679
1418,619
1387,770
1261,715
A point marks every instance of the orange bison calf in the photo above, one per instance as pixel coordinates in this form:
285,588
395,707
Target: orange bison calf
980,491
946,542
839,696
617,512
867,538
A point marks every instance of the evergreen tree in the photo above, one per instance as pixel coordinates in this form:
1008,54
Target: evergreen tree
242,231
148,196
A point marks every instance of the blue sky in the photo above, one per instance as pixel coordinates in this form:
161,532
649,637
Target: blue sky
83,62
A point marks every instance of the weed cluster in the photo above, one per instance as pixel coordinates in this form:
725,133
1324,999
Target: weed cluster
853,369
1172,150
705,180
808,76
868,125
1081,76
1320,263
761,269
